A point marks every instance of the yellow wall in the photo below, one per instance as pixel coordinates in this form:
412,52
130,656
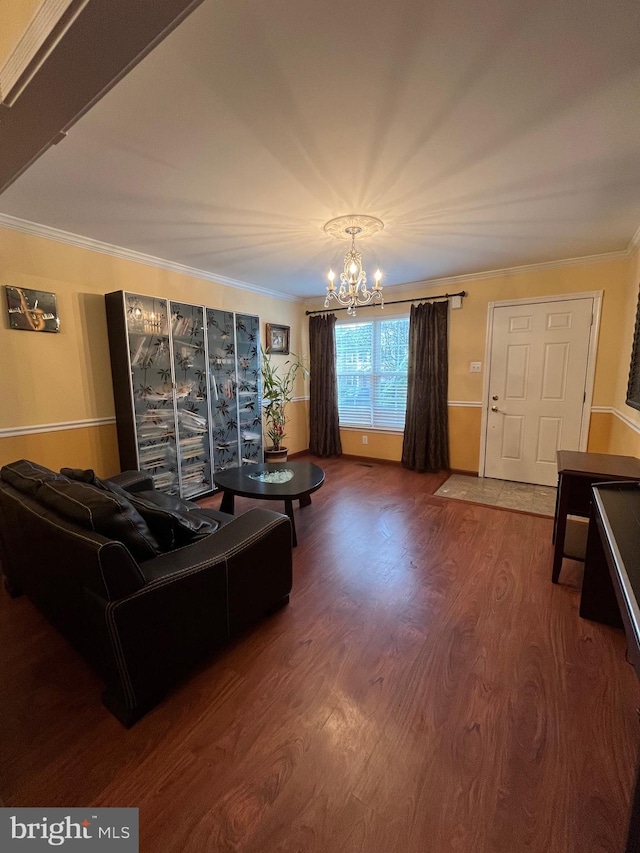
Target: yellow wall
60,378
600,432
86,447
464,435
618,279
52,379
623,439
382,445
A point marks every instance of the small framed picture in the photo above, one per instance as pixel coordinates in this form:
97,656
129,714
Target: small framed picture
278,339
32,310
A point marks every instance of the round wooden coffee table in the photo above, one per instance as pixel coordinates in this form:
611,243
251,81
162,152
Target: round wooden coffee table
247,482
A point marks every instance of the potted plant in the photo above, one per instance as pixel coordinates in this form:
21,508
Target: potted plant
277,390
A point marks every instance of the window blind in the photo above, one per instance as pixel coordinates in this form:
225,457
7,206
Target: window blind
371,361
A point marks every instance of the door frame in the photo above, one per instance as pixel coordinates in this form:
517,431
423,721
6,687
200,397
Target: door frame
596,297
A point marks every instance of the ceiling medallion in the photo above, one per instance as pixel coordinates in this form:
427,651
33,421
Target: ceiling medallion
353,289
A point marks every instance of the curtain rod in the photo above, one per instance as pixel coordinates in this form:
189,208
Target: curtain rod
394,302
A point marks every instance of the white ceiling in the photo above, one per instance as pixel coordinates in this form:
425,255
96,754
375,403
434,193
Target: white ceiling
484,134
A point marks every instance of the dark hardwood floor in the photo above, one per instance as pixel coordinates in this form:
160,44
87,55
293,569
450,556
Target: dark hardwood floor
427,690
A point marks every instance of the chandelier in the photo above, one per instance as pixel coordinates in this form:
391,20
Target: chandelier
353,290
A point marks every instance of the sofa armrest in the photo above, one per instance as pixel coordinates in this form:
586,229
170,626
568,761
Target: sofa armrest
195,598
132,481
243,532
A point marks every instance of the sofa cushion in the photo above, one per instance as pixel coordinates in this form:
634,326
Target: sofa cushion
172,502
173,528
104,512
83,475
169,518
26,477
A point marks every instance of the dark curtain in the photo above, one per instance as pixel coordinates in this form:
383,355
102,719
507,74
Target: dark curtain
426,432
324,426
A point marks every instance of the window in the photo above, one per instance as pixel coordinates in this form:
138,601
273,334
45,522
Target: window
371,360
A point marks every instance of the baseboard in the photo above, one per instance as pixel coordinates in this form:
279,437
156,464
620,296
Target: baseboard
374,460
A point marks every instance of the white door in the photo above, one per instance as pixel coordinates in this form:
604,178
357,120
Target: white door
537,380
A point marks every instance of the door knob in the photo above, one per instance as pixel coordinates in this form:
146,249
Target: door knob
494,408
495,397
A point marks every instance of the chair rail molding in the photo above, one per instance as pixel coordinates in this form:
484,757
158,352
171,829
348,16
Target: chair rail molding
611,410
10,432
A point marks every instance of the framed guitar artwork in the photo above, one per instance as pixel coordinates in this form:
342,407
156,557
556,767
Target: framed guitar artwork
32,310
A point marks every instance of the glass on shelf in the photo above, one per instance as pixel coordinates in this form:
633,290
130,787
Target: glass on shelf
150,360
191,393
222,370
146,315
248,379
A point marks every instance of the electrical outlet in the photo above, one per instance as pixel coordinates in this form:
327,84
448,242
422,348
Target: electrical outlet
365,439
475,367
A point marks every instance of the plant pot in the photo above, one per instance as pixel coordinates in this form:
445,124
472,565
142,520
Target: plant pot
271,455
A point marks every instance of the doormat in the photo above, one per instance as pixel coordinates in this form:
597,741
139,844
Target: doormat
506,494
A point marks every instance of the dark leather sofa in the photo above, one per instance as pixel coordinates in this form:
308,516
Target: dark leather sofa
142,584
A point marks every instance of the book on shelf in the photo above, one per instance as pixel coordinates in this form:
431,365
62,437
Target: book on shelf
148,432
153,460
157,396
192,454
192,421
156,416
182,326
163,480
192,441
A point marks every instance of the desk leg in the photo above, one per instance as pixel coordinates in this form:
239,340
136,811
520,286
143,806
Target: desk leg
598,600
227,503
633,838
555,512
288,508
560,527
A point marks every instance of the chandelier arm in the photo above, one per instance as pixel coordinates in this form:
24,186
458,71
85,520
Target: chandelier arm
353,290
347,300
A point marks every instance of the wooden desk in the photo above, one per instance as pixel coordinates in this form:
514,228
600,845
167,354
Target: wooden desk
611,585
576,473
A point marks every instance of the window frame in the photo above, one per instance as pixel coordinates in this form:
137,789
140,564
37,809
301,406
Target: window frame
375,372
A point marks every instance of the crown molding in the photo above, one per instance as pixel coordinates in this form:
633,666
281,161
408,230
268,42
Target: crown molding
40,37
49,233
479,276
634,244
26,227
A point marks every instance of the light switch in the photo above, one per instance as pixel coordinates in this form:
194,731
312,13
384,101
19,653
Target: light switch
475,367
